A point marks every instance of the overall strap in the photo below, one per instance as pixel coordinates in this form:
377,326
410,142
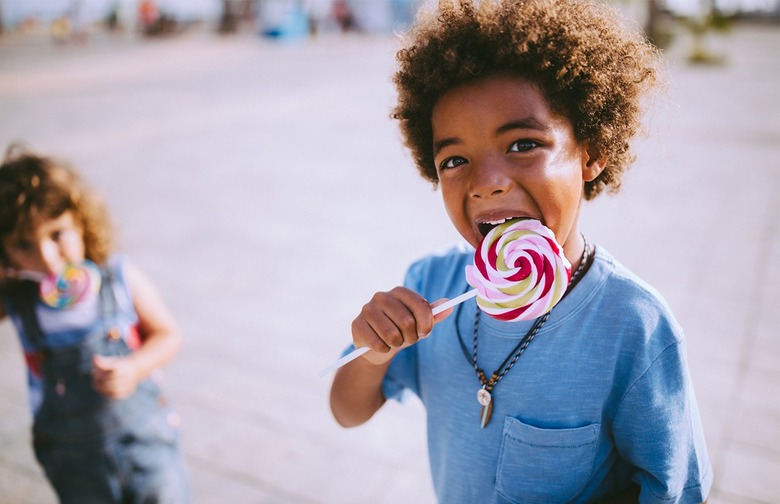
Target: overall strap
23,299
108,304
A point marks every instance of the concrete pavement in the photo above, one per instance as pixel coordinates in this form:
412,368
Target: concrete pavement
264,188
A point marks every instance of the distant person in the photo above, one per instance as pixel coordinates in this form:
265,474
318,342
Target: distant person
102,429
112,18
521,110
148,15
61,29
228,21
344,16
403,13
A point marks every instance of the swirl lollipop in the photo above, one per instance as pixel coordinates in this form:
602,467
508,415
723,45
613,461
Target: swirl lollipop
519,271
76,283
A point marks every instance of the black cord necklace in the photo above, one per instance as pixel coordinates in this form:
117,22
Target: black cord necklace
484,394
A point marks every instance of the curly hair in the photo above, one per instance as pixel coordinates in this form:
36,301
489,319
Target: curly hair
33,187
590,65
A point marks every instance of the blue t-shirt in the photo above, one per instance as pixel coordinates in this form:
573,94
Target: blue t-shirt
600,398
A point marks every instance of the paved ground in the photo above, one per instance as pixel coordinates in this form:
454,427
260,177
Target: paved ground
264,188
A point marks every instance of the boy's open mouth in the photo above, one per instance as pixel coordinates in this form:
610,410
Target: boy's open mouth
487,226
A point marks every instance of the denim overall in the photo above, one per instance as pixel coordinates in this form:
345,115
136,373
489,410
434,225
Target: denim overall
95,449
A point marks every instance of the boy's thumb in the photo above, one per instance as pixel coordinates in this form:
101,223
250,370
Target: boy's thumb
441,315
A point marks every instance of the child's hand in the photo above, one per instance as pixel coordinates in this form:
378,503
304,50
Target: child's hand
392,321
114,377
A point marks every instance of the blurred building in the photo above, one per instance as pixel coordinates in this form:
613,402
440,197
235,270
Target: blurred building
372,16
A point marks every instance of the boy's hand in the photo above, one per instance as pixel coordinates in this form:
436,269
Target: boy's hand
392,321
114,377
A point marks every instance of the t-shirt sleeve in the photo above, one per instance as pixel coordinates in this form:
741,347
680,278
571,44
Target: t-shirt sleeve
658,430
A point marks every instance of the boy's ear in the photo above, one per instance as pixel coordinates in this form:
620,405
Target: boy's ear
594,164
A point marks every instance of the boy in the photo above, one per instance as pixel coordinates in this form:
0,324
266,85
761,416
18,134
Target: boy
522,109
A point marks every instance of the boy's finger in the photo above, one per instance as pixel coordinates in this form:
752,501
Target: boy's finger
420,312
390,319
402,321
365,336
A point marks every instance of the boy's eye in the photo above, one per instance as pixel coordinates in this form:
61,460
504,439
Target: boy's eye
452,162
523,145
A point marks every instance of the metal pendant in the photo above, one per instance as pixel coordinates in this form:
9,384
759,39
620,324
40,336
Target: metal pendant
486,400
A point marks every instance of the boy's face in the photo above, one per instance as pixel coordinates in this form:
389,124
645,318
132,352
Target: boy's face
501,152
48,247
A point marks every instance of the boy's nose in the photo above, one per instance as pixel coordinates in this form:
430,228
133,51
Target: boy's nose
489,179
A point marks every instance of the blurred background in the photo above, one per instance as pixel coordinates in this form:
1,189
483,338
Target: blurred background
249,162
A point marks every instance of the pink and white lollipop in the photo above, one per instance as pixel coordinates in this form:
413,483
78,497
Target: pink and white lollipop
519,271
76,283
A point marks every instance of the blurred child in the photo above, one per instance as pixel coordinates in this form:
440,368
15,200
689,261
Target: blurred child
102,430
523,109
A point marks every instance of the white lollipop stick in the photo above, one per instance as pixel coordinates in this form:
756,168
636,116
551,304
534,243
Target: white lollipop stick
455,301
25,274
354,354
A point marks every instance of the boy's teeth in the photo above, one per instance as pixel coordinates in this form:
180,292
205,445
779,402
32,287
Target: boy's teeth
486,226
500,221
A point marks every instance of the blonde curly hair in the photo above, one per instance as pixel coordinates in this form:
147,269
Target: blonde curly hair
591,66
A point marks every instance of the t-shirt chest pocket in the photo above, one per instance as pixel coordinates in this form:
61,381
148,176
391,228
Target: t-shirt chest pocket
544,465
